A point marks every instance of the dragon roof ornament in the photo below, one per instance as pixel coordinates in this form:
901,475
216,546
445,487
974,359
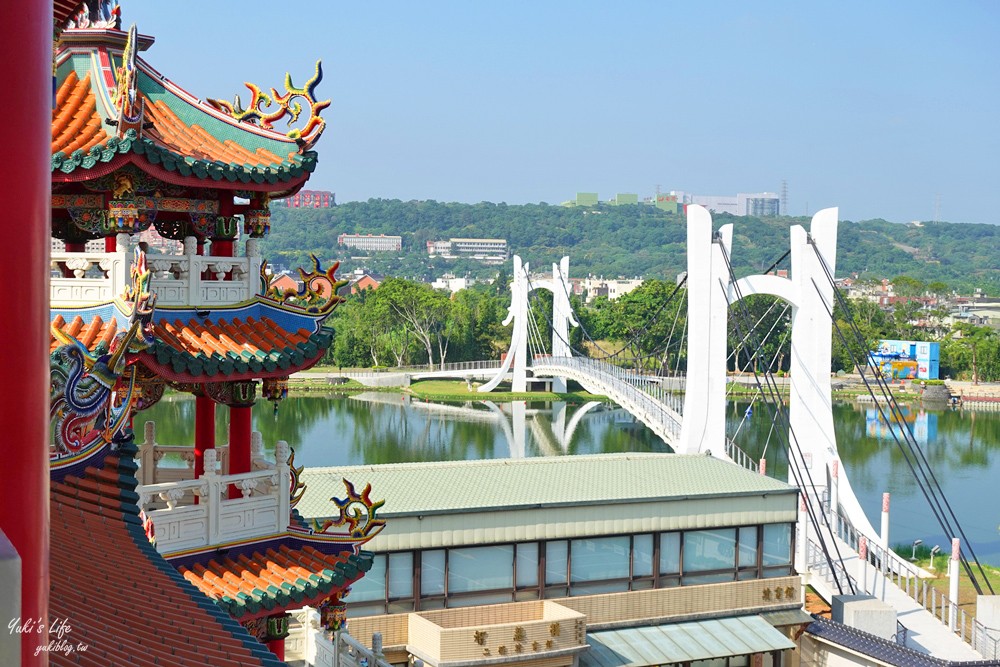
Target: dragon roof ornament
125,96
264,110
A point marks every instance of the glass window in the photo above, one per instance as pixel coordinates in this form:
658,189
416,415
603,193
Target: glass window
476,600
372,585
400,575
777,544
480,568
691,580
670,553
642,556
596,589
748,546
527,564
599,559
556,558
709,549
432,573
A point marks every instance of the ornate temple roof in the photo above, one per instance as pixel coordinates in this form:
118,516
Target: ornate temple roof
138,609
269,580
256,339
113,109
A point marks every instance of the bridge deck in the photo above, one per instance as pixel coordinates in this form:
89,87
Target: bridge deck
925,632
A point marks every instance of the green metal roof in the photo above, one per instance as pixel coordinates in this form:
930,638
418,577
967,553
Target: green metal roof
463,486
681,642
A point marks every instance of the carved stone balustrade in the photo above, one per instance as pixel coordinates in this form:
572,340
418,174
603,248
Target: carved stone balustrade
155,467
178,280
216,519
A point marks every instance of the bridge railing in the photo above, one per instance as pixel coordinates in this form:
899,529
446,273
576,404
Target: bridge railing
456,367
913,581
631,386
740,457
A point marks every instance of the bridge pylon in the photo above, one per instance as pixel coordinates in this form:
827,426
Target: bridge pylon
711,291
519,311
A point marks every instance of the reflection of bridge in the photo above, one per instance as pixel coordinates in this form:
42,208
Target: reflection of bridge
514,419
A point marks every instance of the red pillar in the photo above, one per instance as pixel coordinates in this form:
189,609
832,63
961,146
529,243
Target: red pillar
239,444
26,54
204,431
76,247
110,244
277,647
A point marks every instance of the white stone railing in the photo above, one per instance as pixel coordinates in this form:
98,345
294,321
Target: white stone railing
176,279
216,519
152,455
333,649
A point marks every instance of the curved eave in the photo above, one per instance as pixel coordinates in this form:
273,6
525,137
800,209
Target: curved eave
176,170
189,368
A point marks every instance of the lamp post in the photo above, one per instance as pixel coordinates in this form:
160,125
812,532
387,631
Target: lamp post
916,543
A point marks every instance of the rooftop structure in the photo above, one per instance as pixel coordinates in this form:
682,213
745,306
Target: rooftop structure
589,543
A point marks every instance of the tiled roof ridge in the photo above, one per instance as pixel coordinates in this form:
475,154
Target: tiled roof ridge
109,492
882,649
187,166
501,462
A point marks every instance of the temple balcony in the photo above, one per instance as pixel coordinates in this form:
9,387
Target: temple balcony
191,513
178,280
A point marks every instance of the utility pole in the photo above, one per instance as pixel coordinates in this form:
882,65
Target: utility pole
784,197
937,207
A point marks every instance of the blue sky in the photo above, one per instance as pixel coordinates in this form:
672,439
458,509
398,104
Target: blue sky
878,108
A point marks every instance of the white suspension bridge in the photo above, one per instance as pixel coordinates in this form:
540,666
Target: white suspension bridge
839,551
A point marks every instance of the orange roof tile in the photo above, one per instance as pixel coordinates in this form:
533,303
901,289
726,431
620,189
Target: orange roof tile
171,132
75,121
275,580
140,614
93,333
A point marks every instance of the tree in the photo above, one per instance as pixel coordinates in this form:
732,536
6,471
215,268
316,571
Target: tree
978,340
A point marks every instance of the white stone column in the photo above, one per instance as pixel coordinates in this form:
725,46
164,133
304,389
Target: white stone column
147,454
834,493
212,497
863,563
803,535
956,550
281,454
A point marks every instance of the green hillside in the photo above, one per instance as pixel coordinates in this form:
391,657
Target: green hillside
624,240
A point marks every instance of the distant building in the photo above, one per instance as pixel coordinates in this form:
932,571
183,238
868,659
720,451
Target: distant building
624,198
907,359
583,199
488,251
371,243
611,289
759,204
452,284
312,199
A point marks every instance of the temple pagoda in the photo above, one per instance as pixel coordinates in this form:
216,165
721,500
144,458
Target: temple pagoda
175,566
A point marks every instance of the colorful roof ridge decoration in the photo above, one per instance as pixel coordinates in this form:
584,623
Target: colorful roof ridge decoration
262,583
318,294
258,111
113,109
145,613
357,512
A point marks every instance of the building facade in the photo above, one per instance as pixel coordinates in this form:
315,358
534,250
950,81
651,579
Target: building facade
371,242
312,199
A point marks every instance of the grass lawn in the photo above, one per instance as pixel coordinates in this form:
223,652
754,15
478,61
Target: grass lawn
966,591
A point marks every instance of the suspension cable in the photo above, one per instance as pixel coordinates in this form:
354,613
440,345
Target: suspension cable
913,453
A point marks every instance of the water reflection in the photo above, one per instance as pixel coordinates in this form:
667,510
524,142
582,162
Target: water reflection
962,448
373,428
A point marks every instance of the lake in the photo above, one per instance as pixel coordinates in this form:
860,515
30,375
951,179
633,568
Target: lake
962,446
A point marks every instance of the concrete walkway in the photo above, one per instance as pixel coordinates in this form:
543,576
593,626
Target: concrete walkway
925,632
